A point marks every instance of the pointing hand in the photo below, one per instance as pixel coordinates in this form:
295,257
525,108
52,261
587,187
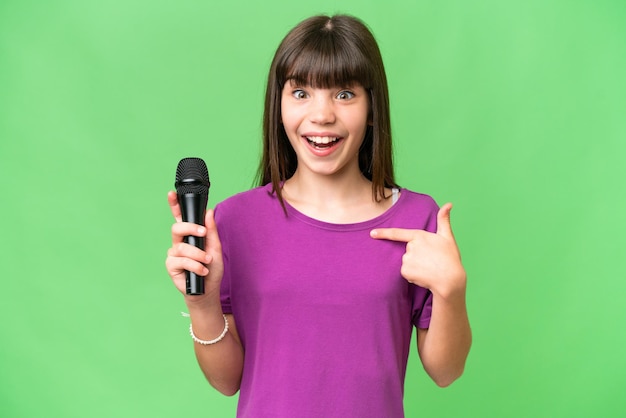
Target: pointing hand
431,260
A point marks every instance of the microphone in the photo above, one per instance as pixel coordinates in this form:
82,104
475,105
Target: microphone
192,188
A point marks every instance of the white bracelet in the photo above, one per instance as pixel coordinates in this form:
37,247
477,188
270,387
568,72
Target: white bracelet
209,342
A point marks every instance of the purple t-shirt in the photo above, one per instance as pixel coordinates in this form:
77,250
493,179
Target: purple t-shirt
325,317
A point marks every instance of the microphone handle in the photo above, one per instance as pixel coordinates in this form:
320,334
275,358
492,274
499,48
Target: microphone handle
193,209
194,283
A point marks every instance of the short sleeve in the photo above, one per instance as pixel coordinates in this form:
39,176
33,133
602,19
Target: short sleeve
225,285
422,306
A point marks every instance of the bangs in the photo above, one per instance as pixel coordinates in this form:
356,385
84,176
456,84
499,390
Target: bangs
326,62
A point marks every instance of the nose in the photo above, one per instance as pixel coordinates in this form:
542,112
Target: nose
321,111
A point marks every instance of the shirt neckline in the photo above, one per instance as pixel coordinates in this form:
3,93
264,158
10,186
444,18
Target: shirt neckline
354,226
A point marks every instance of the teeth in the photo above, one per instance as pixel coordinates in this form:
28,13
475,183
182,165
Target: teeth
321,139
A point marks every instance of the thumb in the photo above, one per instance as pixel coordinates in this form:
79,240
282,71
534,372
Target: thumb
212,237
213,249
443,221
172,200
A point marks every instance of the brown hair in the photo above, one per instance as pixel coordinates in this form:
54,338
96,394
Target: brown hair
326,52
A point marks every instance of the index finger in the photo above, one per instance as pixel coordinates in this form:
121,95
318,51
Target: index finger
172,199
394,234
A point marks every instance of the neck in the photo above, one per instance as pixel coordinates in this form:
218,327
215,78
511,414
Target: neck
327,190
336,199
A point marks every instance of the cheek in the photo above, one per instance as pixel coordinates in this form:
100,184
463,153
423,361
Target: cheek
290,119
360,125
360,118
288,125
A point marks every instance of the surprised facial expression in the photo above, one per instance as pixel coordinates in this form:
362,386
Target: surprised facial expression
325,127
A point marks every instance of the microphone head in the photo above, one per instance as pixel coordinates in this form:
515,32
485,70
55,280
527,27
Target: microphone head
192,176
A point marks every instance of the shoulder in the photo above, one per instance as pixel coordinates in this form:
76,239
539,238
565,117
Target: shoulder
415,211
418,201
255,202
249,217
257,194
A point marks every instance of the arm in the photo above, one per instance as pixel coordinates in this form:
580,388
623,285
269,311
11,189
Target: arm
221,363
444,346
433,261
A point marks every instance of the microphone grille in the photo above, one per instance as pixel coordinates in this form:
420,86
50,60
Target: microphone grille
192,176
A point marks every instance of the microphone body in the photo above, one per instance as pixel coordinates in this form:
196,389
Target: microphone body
192,188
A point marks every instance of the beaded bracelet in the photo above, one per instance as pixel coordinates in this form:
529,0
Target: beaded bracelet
209,342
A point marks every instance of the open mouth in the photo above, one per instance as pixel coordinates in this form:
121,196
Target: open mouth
322,142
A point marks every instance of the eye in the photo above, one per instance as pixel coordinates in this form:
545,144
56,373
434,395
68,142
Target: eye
345,95
299,94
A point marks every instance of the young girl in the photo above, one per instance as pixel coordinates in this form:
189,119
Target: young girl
316,278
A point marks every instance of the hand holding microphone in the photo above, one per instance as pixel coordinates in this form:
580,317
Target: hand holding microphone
192,187
195,228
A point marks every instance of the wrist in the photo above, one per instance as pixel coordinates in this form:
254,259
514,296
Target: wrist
453,289
204,303
213,341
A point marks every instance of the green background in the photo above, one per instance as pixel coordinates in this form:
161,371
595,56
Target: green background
513,110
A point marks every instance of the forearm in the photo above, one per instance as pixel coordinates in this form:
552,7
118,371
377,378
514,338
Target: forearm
222,362
445,345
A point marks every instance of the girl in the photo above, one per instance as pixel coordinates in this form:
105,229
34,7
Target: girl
316,278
